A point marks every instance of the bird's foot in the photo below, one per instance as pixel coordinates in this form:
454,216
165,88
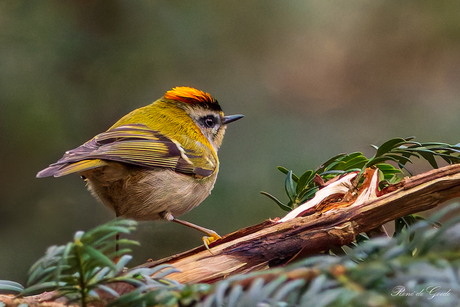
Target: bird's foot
209,239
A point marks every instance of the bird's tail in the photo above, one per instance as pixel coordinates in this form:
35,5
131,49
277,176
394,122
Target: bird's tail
58,169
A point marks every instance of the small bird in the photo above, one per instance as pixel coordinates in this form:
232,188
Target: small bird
157,162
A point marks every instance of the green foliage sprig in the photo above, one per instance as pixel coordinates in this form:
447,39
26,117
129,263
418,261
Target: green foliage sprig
399,151
84,265
83,269
164,295
10,286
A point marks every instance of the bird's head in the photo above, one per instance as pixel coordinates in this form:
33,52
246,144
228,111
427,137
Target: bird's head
204,110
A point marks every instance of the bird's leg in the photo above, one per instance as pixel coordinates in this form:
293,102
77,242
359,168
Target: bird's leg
211,234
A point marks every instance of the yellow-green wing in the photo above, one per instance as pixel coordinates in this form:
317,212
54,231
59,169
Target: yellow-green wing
134,144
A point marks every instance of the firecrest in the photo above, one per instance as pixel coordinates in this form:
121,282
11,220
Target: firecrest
157,162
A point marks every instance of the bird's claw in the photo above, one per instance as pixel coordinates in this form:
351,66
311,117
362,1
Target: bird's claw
208,240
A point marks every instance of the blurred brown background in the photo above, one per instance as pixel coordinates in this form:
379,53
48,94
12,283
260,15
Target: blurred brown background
314,78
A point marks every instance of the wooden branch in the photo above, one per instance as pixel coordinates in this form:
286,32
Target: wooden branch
270,243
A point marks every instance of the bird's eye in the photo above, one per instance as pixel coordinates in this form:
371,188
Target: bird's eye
209,121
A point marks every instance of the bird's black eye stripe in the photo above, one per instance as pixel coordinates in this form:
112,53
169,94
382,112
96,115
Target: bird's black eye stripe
208,121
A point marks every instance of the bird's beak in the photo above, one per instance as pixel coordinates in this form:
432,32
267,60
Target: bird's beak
231,118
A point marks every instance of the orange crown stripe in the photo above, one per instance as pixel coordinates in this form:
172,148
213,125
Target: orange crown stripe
189,95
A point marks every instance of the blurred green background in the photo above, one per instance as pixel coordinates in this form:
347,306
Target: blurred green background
314,78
